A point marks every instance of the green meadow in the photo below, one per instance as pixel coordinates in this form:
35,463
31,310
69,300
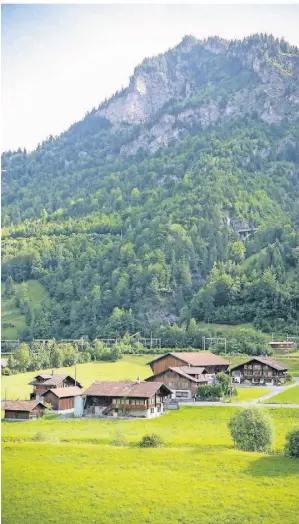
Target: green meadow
189,426
129,367
77,475
290,396
12,320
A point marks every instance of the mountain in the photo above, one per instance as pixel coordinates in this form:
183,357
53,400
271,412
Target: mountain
177,198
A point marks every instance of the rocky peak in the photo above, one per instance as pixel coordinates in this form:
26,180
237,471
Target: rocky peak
259,74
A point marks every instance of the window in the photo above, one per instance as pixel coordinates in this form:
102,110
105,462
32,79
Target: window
182,394
152,410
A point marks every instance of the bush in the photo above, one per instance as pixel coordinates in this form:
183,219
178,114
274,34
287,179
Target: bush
209,393
44,437
118,439
252,430
151,441
292,444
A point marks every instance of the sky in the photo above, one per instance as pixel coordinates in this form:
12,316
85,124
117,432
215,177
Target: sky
60,61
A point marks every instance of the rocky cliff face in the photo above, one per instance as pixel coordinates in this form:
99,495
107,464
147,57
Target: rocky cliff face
201,83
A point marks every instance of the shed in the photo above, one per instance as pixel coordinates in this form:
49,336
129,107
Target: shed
62,398
23,409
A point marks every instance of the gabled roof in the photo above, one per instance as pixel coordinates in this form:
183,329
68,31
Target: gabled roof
193,370
180,371
263,360
196,358
51,380
22,405
65,392
126,389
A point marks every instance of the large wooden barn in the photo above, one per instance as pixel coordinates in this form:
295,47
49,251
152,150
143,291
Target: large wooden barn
259,370
125,399
203,359
183,381
62,398
44,382
23,409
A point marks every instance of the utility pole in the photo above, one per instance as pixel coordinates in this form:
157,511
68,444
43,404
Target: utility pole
204,342
75,373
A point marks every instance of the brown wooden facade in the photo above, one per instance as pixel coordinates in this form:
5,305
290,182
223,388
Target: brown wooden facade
166,362
43,383
178,383
23,414
125,399
259,371
61,398
175,360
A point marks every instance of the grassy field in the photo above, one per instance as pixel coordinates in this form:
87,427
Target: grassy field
197,478
291,363
12,315
129,367
189,426
101,484
290,396
245,394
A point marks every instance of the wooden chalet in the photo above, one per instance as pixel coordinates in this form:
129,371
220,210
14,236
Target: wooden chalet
23,409
259,370
62,398
125,399
43,382
183,381
203,359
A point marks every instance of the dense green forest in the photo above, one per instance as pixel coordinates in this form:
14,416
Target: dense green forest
147,241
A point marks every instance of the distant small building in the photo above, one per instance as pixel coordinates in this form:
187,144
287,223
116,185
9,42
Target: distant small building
4,365
125,399
44,381
286,344
62,399
259,370
182,381
201,359
23,409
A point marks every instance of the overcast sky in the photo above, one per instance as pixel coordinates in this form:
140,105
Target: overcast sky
59,61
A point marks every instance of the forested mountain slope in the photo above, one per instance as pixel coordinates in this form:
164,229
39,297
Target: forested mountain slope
130,218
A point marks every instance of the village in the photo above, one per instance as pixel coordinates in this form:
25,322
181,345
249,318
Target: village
177,378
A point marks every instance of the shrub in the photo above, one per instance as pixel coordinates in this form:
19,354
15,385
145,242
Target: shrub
209,393
118,439
44,437
151,441
292,444
252,430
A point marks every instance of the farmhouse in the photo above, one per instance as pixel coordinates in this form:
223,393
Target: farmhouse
62,398
203,359
259,370
23,409
125,398
183,381
43,382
